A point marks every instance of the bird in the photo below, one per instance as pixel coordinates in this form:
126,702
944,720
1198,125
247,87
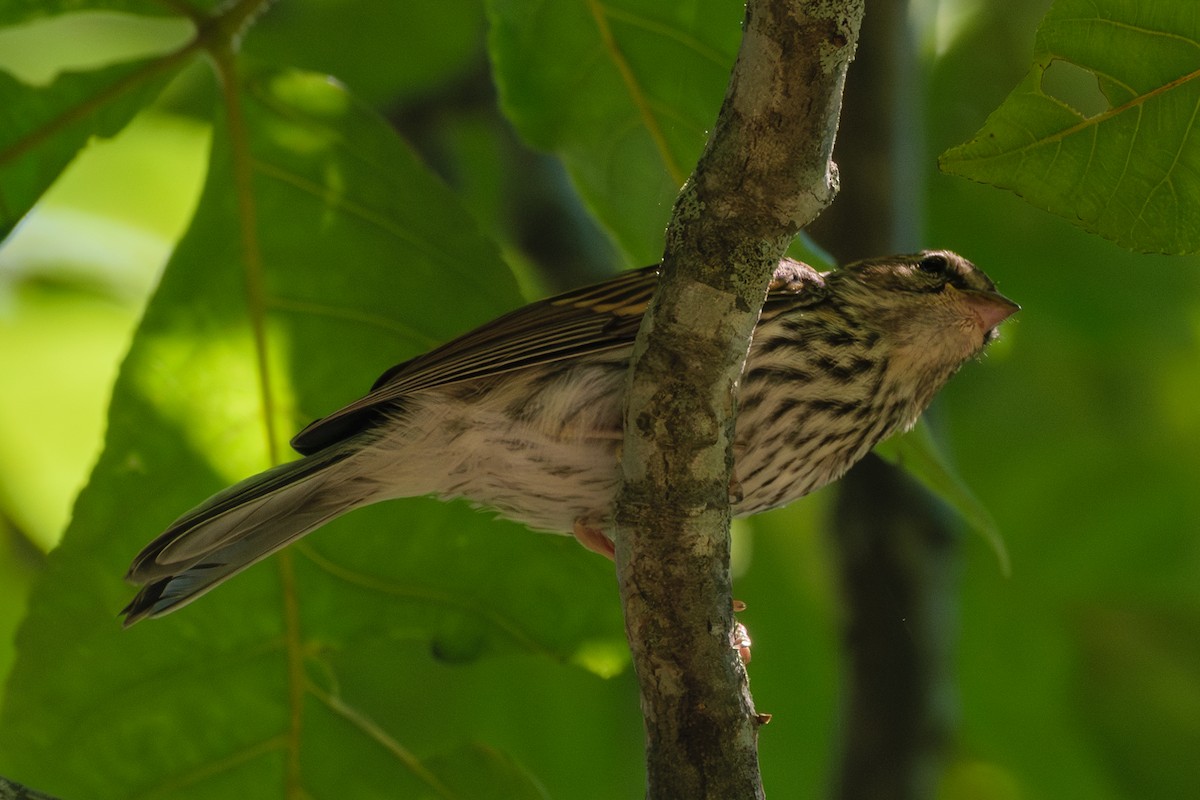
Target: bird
523,415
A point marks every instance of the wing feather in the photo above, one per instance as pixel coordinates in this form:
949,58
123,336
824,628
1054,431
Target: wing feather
578,323
582,322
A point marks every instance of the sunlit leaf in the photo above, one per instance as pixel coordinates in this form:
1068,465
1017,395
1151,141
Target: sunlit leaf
25,11
1119,157
40,132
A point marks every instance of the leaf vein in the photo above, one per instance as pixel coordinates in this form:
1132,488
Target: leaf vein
636,93
385,586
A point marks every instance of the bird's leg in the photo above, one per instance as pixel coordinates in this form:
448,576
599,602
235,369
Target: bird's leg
594,539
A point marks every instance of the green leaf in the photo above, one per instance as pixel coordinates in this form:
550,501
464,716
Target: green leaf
1127,169
334,255
477,771
20,11
40,132
624,91
316,37
116,64
918,453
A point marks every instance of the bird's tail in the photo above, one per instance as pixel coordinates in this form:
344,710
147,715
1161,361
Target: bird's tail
241,526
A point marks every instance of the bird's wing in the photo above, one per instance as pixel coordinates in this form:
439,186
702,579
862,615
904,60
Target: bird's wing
582,322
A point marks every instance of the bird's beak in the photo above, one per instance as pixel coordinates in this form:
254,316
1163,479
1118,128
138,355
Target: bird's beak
991,308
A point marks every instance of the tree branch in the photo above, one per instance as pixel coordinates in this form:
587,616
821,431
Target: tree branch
765,173
11,790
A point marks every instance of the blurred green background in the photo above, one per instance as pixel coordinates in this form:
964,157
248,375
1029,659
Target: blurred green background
1078,675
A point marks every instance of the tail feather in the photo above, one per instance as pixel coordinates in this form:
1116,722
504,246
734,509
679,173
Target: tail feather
239,527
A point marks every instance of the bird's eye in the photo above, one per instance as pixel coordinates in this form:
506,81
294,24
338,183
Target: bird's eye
934,264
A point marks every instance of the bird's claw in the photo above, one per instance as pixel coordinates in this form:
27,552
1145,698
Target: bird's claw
739,637
594,539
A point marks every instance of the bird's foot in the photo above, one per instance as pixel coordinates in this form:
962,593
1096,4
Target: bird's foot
739,638
594,539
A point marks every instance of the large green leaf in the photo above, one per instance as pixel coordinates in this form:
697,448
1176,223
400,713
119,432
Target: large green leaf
624,91
285,678
1129,169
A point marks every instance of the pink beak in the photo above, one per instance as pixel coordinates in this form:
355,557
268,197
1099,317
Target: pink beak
992,308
